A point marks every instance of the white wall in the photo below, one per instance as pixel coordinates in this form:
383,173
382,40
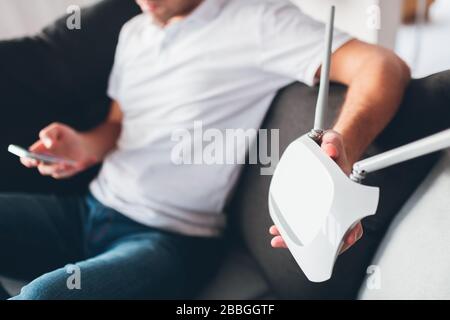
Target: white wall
427,48
20,17
354,16
391,20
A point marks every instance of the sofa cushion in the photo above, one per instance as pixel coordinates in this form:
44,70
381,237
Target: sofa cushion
413,262
239,277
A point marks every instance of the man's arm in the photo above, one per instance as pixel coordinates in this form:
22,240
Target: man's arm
376,80
103,139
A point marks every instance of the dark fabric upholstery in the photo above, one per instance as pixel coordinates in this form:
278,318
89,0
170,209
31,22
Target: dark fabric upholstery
57,75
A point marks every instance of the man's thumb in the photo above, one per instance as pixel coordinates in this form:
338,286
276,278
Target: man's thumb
48,142
50,135
331,150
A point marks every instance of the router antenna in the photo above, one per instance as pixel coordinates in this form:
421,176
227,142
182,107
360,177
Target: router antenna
322,101
436,142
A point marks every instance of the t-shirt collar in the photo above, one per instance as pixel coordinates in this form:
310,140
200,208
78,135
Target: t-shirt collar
207,10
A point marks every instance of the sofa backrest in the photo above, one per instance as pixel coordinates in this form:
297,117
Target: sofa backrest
292,112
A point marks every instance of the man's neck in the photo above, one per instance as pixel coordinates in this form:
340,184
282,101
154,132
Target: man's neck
173,20
182,15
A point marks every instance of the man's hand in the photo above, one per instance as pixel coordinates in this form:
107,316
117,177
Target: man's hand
86,149
62,141
333,146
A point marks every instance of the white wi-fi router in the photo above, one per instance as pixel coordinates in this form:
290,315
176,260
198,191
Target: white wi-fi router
313,203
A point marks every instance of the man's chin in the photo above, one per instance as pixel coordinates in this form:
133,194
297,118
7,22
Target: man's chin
158,19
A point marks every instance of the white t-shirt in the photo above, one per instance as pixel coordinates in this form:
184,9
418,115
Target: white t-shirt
222,65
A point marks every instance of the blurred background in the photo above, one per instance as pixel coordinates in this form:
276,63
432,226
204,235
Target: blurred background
23,17
417,29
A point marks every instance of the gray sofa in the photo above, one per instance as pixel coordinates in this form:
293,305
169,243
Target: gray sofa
251,269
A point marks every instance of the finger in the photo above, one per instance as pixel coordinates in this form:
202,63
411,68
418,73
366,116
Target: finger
350,240
29,163
38,147
332,143
50,135
331,150
332,137
344,248
66,168
274,231
47,170
278,242
360,233
63,174
352,237
65,171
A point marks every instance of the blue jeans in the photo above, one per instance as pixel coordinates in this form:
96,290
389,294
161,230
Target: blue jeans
80,249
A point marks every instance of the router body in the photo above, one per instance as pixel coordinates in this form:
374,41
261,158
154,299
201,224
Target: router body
314,204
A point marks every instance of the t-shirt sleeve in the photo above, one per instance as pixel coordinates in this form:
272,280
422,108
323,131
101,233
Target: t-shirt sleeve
292,43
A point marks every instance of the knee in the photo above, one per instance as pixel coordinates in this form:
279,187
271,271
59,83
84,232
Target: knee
39,291
52,286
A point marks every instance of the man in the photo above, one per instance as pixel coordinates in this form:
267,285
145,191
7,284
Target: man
147,223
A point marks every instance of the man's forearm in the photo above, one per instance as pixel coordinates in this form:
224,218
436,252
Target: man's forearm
373,98
101,140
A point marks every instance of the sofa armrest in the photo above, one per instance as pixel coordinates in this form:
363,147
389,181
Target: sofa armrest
413,261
